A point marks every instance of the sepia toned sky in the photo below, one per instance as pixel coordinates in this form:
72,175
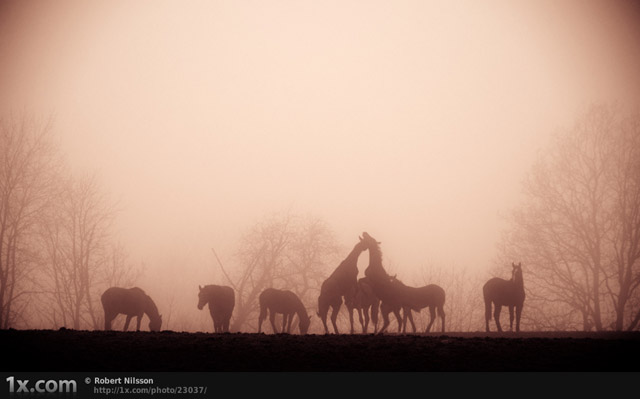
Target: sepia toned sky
413,120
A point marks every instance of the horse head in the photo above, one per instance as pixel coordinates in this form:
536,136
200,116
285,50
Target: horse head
202,299
305,321
516,273
154,324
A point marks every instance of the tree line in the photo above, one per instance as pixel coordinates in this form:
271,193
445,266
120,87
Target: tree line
576,232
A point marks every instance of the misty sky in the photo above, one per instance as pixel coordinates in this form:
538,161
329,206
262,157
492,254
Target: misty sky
413,120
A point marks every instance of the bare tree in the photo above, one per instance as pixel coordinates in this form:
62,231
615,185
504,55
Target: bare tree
285,252
79,258
578,230
28,164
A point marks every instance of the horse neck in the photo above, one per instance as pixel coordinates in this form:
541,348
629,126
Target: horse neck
518,282
151,309
352,258
375,269
301,311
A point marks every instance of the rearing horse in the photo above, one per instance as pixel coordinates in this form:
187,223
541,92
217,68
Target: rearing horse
343,279
503,292
132,302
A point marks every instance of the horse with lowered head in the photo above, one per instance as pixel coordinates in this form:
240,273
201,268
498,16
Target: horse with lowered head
503,292
287,303
221,300
131,302
417,298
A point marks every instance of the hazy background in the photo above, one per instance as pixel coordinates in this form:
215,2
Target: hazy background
413,120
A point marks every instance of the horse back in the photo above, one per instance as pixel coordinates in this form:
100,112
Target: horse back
222,297
502,292
280,301
129,301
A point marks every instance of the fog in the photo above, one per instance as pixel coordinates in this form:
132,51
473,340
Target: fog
414,121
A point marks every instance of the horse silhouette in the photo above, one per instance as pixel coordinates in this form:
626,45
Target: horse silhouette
362,298
417,298
131,302
288,304
385,309
503,292
221,300
343,279
381,282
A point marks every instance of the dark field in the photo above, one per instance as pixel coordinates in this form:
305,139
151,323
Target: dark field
69,350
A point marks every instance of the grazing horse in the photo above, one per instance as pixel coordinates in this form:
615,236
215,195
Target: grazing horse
362,298
285,302
417,298
131,302
343,279
503,292
221,300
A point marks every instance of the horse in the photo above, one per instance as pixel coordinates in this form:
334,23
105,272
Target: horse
131,302
221,300
343,279
286,302
417,298
503,292
381,283
385,309
362,298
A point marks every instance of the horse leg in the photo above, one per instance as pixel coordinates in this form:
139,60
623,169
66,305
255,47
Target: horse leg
375,308
410,316
139,319
108,318
385,319
432,317
397,313
323,309
126,323
272,319
285,317
442,315
263,315
518,314
496,316
511,317
365,326
350,311
334,316
289,323
487,313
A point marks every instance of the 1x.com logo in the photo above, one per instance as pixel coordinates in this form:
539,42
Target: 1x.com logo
42,386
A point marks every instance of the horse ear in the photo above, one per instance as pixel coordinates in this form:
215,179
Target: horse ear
200,287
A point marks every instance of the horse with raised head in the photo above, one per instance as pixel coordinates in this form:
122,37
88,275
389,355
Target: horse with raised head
381,282
287,303
131,302
503,292
343,279
362,298
221,300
